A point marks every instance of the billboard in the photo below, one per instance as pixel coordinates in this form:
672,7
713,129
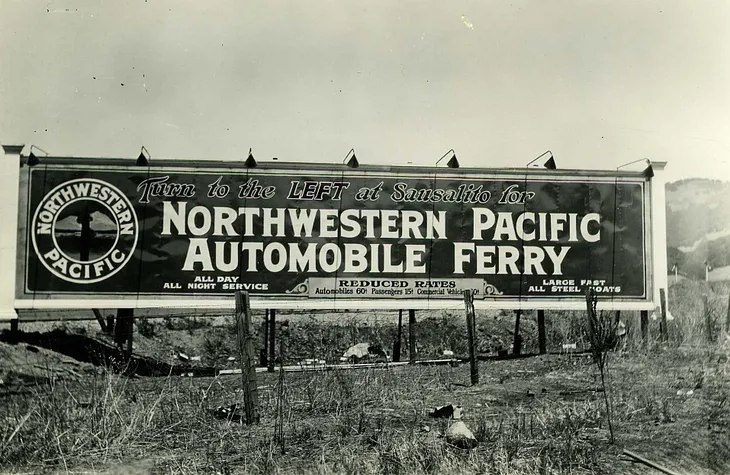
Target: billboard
101,233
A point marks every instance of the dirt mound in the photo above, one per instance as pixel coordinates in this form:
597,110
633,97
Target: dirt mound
22,364
98,352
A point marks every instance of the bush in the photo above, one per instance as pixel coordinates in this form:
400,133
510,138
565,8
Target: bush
146,328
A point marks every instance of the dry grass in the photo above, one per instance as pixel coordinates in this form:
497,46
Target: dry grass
542,415
368,421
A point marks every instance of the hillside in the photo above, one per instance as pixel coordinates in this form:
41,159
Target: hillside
698,224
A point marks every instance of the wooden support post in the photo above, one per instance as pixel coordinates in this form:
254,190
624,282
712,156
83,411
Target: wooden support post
272,340
412,336
517,342
663,303
727,317
100,318
645,326
471,335
398,338
246,357
265,350
541,337
708,318
14,327
123,329
130,335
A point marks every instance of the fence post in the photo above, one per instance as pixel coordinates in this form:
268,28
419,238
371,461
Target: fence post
663,303
708,318
645,326
272,340
265,350
412,336
541,337
246,356
471,335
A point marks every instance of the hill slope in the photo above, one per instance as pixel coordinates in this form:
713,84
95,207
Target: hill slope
698,224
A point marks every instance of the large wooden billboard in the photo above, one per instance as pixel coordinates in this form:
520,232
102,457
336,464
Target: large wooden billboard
108,234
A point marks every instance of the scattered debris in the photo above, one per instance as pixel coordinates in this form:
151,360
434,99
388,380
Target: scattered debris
231,358
446,412
448,353
195,358
32,349
233,413
183,357
648,463
570,346
362,351
312,362
460,436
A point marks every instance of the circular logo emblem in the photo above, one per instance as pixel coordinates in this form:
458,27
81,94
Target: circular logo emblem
84,230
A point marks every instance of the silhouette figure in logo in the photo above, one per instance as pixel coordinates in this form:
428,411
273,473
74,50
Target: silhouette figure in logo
86,235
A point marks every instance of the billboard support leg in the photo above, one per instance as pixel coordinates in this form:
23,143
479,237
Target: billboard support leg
9,186
541,331
100,319
123,329
727,317
14,327
412,336
398,337
130,335
644,326
517,343
272,340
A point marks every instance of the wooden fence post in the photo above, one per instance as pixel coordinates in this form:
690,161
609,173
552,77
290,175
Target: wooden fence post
541,337
265,349
708,318
471,335
645,326
272,340
663,303
412,336
246,356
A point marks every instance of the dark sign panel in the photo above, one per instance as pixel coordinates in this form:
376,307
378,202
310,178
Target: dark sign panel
322,234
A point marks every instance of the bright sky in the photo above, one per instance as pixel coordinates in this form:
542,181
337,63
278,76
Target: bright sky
600,83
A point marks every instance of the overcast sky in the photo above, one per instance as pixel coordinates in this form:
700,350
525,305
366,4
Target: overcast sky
600,83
